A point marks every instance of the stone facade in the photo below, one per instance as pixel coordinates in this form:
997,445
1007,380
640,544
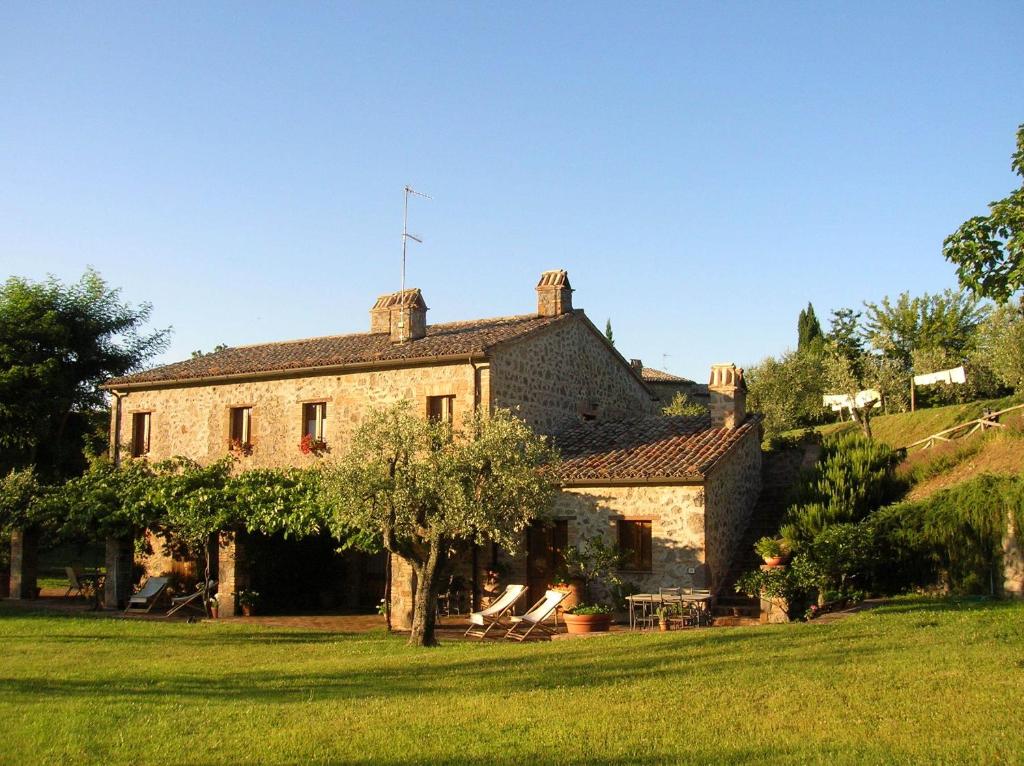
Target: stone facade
193,420
676,513
731,491
567,372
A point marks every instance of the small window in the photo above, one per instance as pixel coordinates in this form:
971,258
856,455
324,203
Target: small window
441,408
241,427
635,545
140,433
314,421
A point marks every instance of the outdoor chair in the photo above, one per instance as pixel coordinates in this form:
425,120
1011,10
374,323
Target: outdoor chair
148,595
480,623
75,585
195,601
702,611
678,613
644,615
534,619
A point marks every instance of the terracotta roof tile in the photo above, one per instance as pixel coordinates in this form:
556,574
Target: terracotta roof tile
441,340
646,448
650,375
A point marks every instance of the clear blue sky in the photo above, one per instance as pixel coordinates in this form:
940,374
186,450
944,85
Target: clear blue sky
702,170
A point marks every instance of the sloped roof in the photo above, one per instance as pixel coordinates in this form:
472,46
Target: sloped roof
442,340
651,375
648,448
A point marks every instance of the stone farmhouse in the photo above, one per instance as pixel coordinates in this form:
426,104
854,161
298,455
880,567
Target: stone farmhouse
674,493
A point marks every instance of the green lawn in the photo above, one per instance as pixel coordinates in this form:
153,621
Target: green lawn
919,681
904,428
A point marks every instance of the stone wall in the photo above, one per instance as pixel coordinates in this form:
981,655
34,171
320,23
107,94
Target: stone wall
551,379
731,493
193,420
676,513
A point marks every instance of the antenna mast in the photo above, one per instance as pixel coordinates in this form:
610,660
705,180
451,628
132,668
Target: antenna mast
406,236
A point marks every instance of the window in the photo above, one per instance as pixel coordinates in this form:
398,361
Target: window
441,408
241,427
140,434
314,421
635,545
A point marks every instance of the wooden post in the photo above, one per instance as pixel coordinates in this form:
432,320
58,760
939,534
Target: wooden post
911,394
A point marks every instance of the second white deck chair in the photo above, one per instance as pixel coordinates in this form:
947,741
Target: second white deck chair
534,619
148,595
480,623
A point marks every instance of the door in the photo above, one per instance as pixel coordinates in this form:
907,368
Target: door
545,544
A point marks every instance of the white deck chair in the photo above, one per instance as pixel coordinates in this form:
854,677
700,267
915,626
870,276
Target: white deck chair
534,619
75,585
480,623
148,595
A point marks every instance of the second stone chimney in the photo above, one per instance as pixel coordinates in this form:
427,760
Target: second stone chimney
554,293
402,315
728,393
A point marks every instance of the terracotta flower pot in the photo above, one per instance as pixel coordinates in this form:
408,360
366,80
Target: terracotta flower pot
774,561
214,612
247,611
663,626
587,623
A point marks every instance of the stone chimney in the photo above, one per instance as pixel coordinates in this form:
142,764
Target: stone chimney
554,293
637,365
402,315
728,394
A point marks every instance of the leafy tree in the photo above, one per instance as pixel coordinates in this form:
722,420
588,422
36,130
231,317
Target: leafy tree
844,333
989,250
808,329
787,391
430,492
608,332
683,404
946,320
1001,345
869,372
57,343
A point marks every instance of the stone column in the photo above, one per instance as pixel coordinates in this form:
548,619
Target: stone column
24,553
403,586
232,572
117,587
1013,561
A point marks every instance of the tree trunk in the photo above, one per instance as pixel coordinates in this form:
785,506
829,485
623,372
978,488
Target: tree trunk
424,611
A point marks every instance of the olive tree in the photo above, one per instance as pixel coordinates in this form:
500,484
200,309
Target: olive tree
431,491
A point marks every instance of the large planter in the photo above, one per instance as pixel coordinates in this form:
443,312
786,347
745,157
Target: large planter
774,561
587,623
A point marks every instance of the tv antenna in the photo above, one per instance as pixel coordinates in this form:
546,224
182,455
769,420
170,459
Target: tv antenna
664,361
406,236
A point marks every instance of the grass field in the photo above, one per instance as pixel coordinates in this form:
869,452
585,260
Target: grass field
915,682
904,428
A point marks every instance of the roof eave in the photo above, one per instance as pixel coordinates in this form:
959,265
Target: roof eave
294,372
688,480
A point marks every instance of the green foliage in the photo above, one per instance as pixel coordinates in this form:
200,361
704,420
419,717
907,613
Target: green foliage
946,320
57,344
989,250
105,501
608,332
770,548
808,329
955,535
854,477
787,391
21,501
845,334
430,491
1001,345
838,560
596,562
591,609
683,405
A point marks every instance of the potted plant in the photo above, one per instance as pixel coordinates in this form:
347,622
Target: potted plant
310,445
772,550
663,613
247,599
238,447
593,564
213,606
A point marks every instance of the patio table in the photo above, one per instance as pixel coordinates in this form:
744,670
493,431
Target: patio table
703,599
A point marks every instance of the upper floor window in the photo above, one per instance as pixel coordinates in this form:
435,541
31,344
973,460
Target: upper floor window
635,544
140,433
441,408
240,434
314,421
